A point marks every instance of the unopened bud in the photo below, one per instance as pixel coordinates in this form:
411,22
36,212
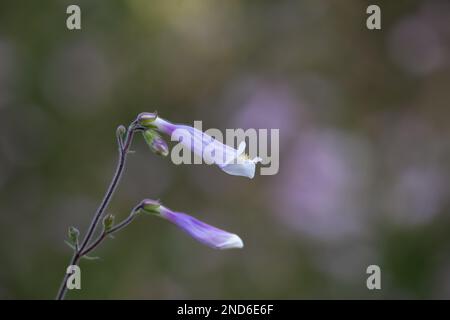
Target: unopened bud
121,130
73,235
156,142
108,222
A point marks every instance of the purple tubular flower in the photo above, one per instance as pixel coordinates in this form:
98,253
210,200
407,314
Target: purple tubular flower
230,160
202,232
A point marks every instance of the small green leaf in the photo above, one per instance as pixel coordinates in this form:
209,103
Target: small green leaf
69,244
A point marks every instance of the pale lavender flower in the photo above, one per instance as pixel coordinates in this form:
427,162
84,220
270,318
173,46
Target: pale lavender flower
202,232
230,160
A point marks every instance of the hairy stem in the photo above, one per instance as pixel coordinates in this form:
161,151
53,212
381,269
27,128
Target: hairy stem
80,252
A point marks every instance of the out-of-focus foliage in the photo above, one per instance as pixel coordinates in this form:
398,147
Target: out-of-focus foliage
364,137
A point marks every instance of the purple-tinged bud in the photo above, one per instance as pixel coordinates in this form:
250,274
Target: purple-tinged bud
156,142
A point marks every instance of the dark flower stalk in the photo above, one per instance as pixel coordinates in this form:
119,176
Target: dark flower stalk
124,142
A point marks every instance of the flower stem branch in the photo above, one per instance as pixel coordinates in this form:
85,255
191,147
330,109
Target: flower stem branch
106,233
124,146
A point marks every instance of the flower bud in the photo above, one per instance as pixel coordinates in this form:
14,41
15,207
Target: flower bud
146,119
73,233
108,222
121,131
156,142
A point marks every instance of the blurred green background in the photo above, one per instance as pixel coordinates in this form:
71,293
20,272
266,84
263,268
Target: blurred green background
364,146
